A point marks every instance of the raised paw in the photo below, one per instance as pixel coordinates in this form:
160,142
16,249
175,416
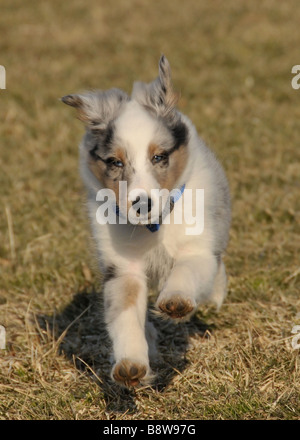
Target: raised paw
176,307
129,373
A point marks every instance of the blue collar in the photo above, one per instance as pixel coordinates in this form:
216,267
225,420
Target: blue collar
173,199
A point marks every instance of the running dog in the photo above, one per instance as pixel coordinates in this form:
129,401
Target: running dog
146,154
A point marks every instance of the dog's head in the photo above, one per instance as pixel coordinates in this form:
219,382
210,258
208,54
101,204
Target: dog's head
141,139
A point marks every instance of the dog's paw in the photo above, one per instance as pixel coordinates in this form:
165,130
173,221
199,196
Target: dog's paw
130,373
176,307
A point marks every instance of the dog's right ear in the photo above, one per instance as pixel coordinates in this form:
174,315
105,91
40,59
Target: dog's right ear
159,96
97,109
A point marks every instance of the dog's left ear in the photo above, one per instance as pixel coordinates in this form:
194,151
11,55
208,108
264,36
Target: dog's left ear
97,109
159,96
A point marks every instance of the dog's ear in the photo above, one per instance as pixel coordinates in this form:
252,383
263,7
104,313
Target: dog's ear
159,96
97,109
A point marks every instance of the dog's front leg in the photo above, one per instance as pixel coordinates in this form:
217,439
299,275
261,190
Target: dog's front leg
125,315
190,282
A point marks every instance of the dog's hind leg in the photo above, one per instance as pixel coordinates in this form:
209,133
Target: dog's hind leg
151,336
220,286
125,299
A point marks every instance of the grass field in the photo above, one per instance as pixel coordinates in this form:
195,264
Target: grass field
232,63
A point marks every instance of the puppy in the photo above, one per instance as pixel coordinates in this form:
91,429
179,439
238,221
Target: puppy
145,170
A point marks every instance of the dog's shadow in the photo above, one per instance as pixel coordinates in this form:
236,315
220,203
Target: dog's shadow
80,332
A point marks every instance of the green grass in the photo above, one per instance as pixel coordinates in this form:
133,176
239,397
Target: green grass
232,63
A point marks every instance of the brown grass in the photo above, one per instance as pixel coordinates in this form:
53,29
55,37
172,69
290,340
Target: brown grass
232,63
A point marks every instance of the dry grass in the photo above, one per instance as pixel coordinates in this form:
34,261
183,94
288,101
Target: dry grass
232,62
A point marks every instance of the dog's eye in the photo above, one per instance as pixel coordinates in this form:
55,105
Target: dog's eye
159,158
112,161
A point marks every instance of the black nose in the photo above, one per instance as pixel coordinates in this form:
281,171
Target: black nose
143,204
